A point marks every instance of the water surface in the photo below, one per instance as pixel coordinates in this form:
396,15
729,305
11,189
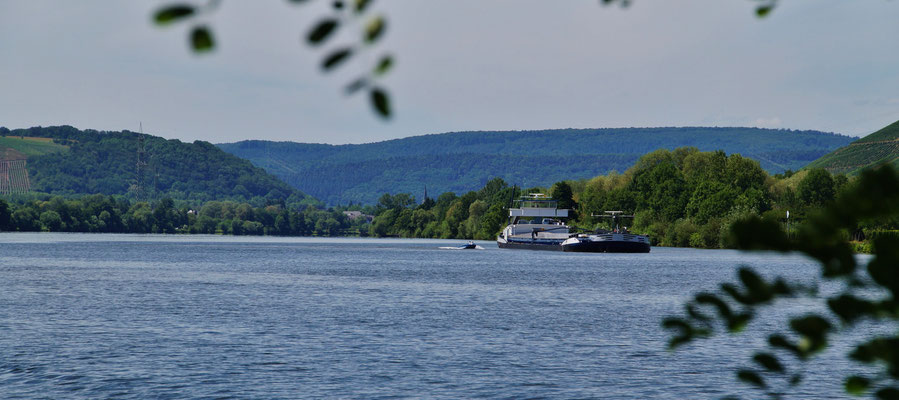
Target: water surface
170,317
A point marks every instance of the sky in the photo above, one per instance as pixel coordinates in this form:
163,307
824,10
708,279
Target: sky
461,65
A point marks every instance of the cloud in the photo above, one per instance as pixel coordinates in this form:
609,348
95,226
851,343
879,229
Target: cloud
772,122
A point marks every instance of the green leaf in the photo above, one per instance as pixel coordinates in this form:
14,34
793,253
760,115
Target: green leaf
751,377
850,308
857,385
779,341
381,102
757,289
769,362
356,86
336,57
694,313
879,349
763,11
813,329
677,324
783,288
710,299
883,268
889,393
734,293
322,30
384,65
173,13
864,353
201,39
738,322
374,29
810,325
755,233
678,341
361,5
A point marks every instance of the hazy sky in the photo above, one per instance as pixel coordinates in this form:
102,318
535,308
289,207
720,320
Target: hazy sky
829,65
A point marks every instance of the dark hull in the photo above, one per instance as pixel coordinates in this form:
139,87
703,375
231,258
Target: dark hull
608,247
530,246
583,246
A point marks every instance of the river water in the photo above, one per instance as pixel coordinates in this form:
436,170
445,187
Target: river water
171,317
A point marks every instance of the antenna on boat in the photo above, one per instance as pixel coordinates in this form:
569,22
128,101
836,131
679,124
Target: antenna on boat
615,215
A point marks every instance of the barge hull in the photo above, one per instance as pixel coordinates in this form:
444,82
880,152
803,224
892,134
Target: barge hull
530,246
582,247
607,247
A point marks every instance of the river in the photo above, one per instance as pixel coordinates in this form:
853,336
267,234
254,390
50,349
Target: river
171,317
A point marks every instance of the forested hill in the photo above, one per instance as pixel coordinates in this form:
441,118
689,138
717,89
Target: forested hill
881,147
91,162
464,161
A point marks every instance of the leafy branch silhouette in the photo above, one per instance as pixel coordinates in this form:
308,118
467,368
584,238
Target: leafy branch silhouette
343,14
867,294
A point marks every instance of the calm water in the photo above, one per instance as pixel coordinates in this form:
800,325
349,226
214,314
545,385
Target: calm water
130,316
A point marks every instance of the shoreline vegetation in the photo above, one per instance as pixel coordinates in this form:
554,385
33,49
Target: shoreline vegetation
680,198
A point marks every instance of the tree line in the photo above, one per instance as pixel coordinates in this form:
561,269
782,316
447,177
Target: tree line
118,214
463,161
682,197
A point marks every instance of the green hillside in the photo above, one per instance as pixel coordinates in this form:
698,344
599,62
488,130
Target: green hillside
464,161
105,163
28,146
881,147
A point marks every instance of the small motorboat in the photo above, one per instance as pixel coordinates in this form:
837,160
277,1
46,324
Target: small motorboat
468,246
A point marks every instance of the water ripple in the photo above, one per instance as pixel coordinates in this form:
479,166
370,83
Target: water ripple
172,317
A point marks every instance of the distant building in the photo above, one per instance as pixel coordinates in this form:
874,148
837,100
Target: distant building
352,215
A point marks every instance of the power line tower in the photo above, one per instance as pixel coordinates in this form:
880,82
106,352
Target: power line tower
140,186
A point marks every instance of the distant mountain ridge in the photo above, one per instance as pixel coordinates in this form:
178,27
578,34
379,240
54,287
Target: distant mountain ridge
94,162
881,147
463,161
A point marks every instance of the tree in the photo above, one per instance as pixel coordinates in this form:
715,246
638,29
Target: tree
817,188
51,221
382,223
869,294
561,192
705,166
744,173
395,202
139,218
661,187
166,217
710,199
5,215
